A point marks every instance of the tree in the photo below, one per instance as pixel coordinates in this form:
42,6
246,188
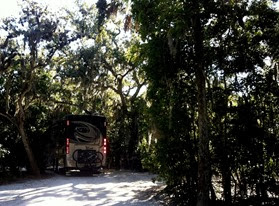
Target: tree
36,36
106,68
212,40
173,34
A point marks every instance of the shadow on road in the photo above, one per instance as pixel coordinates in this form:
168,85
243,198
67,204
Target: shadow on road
115,188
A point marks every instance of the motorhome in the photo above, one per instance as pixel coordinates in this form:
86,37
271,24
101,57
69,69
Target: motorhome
80,143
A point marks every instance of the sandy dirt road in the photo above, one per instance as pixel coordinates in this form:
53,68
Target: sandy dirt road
115,188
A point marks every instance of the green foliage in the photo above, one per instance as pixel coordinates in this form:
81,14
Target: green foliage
102,76
149,156
11,150
235,49
102,6
105,70
37,36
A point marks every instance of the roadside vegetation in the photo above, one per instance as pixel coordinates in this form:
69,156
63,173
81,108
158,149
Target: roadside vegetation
190,90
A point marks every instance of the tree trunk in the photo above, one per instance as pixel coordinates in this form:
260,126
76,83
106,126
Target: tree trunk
203,145
226,172
25,140
226,181
134,159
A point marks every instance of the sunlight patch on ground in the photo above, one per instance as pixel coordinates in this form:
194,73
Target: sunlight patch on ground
119,188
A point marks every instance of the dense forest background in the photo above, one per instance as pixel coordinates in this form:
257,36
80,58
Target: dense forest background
190,90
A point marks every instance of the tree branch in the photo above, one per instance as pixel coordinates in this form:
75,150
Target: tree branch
9,118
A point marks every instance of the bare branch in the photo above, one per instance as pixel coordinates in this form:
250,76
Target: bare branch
64,103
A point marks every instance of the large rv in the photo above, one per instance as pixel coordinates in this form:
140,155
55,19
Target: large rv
80,143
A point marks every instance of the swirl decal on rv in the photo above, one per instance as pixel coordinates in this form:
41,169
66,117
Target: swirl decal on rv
86,132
